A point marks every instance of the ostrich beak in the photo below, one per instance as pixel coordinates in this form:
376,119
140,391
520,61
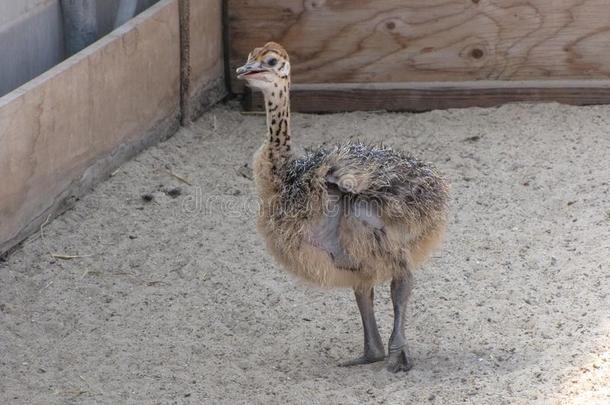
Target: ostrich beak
250,68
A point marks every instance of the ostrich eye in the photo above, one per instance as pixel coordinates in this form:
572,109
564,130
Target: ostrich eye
272,62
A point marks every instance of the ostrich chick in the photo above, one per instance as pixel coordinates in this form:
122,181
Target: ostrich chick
352,215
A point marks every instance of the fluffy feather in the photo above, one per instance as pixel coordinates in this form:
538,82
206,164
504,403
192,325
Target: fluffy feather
352,215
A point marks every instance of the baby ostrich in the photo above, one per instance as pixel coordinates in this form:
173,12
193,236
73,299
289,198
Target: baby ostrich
349,216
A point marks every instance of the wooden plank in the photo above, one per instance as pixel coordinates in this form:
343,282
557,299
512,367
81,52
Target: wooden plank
346,41
184,9
425,96
69,128
206,60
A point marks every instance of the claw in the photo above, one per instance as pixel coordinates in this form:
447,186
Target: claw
361,360
399,360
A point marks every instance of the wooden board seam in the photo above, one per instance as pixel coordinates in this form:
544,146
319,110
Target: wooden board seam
425,96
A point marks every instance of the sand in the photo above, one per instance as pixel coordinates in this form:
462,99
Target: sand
175,301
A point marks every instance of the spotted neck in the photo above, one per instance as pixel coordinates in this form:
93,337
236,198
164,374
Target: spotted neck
277,105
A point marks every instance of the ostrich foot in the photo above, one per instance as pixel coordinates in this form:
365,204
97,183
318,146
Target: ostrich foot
399,360
373,356
373,347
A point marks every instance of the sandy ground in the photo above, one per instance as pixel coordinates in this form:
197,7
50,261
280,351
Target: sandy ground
176,301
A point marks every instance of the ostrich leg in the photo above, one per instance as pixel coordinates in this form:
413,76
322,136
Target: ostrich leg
398,351
373,347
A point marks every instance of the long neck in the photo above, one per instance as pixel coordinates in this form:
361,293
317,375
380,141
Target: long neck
277,104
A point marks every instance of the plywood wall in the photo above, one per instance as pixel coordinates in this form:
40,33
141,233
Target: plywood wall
363,41
64,131
67,129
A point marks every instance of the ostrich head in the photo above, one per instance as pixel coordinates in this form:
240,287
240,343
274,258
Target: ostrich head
267,68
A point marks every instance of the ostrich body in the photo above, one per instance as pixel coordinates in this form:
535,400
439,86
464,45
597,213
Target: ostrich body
353,215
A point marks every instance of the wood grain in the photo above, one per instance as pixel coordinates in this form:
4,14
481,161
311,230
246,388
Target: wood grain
205,66
425,96
361,41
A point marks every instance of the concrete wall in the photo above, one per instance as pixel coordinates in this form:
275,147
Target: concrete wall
12,10
70,127
31,40
31,36
106,13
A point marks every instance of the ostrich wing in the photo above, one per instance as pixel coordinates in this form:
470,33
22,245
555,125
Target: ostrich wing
340,206
360,208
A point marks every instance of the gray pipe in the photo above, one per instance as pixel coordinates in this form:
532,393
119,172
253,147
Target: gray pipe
80,24
127,9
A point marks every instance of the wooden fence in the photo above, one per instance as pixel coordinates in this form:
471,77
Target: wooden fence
423,54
